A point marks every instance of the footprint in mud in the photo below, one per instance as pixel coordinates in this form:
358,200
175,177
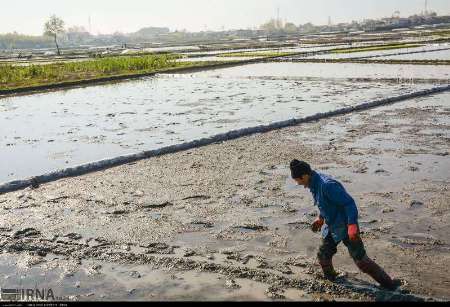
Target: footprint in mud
381,171
415,204
135,274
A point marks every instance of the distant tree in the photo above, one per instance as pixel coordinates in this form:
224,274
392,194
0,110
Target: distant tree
119,37
53,27
78,35
270,26
308,27
19,41
289,27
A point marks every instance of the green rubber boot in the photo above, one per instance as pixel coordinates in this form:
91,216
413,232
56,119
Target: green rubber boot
369,267
328,270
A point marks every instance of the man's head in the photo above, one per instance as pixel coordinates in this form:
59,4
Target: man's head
301,172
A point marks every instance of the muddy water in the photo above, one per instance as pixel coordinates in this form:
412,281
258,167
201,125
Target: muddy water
369,54
332,71
44,132
435,55
176,48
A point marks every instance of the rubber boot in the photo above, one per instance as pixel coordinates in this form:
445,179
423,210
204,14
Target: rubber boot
328,270
369,267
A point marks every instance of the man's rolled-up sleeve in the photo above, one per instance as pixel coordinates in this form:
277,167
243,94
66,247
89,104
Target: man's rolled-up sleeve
339,195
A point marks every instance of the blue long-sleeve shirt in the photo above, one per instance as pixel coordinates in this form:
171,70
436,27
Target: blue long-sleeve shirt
336,206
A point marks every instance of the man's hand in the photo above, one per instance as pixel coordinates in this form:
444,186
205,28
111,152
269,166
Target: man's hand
353,232
317,225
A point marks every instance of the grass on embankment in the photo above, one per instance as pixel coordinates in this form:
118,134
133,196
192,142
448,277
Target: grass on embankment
445,33
15,77
376,48
255,54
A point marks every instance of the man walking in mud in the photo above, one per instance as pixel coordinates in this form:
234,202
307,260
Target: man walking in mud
338,221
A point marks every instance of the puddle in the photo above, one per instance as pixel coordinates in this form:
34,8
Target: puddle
156,216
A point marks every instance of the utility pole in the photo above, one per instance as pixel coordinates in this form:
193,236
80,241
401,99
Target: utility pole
426,8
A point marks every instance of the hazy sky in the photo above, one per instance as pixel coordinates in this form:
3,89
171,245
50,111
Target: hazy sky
107,16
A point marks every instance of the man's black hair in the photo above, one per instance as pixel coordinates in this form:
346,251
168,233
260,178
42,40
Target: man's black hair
300,168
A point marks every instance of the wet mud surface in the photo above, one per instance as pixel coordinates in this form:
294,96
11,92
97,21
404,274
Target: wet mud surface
227,217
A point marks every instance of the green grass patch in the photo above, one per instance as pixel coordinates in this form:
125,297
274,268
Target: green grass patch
445,33
376,48
33,75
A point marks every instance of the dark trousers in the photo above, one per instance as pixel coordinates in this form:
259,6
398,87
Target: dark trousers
328,248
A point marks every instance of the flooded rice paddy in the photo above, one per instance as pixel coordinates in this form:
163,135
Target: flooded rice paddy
215,58
434,55
184,236
215,55
381,53
302,71
180,234
47,131
302,48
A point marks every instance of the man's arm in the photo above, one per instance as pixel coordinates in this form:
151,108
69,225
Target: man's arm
338,194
